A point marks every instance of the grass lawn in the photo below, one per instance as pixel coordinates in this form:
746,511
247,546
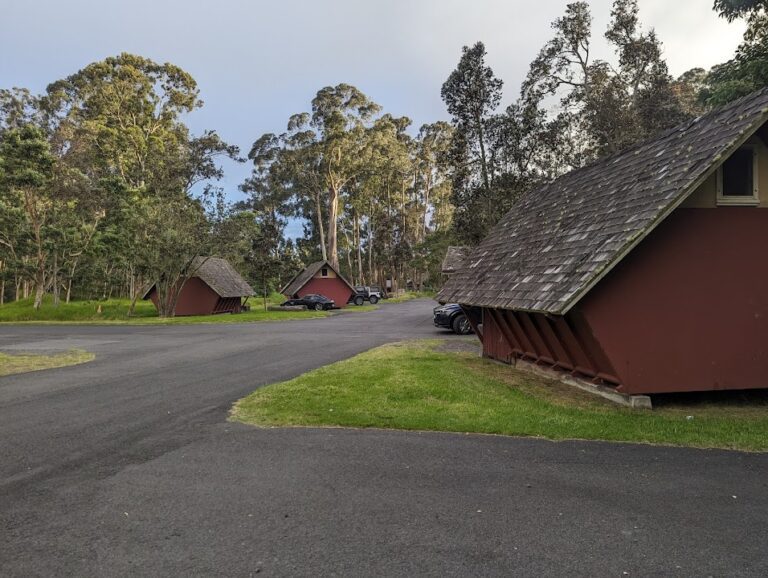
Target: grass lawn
115,311
24,362
419,386
408,295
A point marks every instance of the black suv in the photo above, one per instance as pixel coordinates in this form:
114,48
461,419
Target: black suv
452,317
363,294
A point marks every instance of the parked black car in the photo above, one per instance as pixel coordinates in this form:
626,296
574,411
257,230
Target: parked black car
452,317
363,294
312,301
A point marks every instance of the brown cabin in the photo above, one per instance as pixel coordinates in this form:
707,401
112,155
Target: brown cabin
323,279
214,288
645,271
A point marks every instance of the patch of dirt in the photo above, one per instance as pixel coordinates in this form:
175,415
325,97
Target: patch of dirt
463,343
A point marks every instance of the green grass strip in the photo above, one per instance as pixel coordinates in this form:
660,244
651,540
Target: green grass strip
417,386
25,362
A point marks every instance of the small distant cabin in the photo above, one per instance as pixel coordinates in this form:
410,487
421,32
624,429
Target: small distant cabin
214,288
323,279
645,271
454,258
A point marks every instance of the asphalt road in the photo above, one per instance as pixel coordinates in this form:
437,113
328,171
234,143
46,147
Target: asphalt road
127,466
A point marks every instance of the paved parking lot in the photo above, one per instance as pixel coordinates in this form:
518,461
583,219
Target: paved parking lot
127,466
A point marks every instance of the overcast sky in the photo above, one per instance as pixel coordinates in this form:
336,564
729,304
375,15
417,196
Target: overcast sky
258,62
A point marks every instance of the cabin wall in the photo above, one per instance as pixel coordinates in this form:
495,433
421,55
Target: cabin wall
687,310
196,298
332,287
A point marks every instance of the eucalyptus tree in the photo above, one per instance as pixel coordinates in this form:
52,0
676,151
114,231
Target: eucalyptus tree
18,107
393,174
339,116
26,171
316,160
369,191
119,124
15,244
128,108
431,156
472,93
609,106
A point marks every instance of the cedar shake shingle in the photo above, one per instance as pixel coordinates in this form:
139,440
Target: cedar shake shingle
454,258
220,276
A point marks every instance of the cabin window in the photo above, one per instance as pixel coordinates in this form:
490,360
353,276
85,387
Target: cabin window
737,178
324,272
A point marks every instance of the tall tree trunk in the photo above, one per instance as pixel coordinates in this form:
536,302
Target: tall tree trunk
483,161
72,270
55,280
134,298
39,285
349,263
131,282
359,243
427,191
349,256
333,217
320,230
371,276
40,255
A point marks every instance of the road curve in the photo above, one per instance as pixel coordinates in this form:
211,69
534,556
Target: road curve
127,466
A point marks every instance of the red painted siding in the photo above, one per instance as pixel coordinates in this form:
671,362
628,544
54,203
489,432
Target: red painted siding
197,298
555,342
687,310
332,287
495,345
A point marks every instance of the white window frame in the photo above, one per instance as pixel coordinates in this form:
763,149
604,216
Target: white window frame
743,200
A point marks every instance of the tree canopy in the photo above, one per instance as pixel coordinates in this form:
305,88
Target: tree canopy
104,189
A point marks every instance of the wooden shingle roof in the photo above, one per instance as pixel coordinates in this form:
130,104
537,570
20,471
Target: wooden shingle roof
304,276
220,276
454,258
559,240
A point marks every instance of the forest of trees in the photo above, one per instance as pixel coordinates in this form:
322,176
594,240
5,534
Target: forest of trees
104,190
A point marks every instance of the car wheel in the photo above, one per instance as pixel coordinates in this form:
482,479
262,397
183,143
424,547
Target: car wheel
318,306
373,299
359,300
460,325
